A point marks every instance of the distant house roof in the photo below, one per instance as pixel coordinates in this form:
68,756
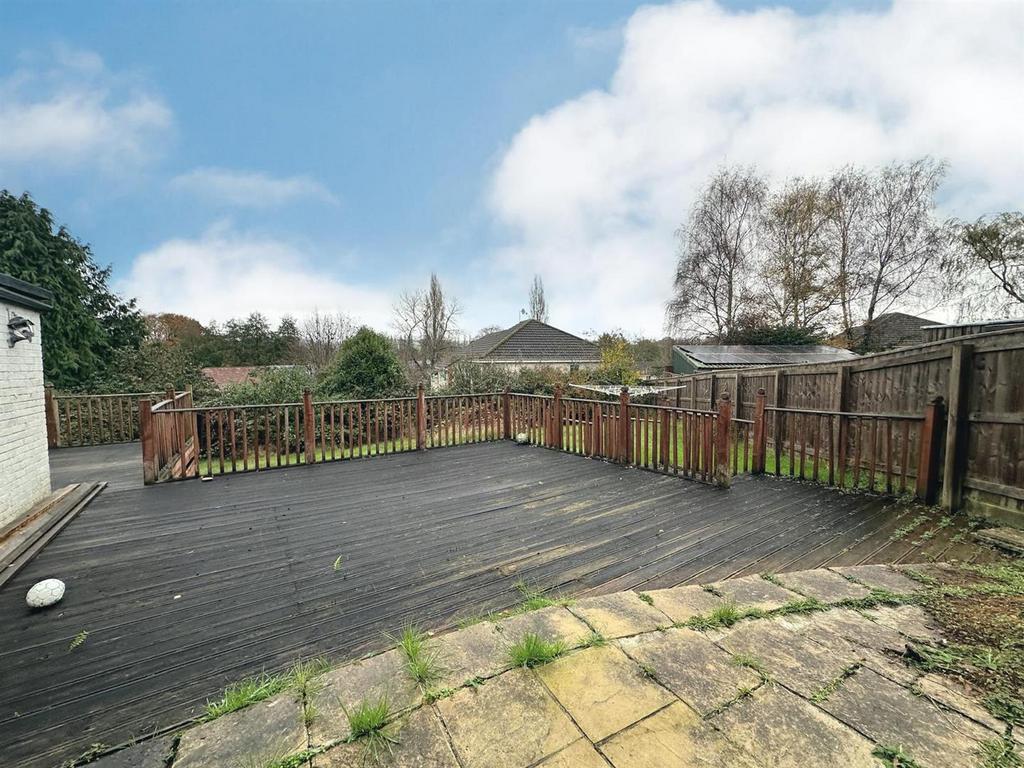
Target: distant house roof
532,341
893,329
715,356
237,374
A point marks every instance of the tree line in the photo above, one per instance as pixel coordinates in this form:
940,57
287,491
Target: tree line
816,257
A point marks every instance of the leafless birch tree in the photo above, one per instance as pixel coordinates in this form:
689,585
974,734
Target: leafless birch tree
425,321
717,246
538,304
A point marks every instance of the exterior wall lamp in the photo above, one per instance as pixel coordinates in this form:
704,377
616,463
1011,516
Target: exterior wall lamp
19,329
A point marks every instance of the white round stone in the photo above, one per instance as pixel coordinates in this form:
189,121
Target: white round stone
46,592
522,438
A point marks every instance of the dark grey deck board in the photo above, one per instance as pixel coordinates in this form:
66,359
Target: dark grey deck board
426,538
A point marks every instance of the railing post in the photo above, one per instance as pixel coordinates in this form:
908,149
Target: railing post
723,473
52,419
506,414
928,458
309,427
170,394
760,433
957,425
624,430
556,418
421,418
148,439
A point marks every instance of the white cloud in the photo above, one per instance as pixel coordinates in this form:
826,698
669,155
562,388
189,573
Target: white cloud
225,274
594,189
250,189
67,110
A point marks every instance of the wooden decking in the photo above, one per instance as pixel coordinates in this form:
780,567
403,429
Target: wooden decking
186,587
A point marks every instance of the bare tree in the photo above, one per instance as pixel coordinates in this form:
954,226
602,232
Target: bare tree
321,335
425,321
984,267
847,197
903,241
717,246
538,304
796,286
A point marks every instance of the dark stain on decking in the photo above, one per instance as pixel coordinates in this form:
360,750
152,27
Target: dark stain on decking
186,587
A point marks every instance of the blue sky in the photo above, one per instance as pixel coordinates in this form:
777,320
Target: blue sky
312,154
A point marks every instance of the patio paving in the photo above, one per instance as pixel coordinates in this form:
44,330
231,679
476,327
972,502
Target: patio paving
187,587
673,698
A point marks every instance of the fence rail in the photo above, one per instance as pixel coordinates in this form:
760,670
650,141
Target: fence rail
86,419
888,453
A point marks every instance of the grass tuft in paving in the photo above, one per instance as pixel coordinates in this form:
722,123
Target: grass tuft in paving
420,662
533,650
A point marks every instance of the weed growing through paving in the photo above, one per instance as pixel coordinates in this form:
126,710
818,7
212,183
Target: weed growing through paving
301,678
534,599
337,564
367,722
835,684
533,650
903,531
78,640
1000,753
436,694
724,615
245,692
645,597
420,661
594,640
894,757
751,662
647,671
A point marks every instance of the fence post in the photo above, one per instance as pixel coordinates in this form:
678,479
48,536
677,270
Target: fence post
556,418
148,442
52,419
624,430
309,427
723,473
421,418
506,414
957,425
928,459
169,394
760,433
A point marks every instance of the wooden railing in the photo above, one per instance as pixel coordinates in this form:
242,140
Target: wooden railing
888,453
698,444
86,419
181,441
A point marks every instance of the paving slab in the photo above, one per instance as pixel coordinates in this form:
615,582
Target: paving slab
418,741
683,603
955,695
579,754
477,651
260,734
674,737
603,690
380,676
691,666
781,730
619,614
754,592
796,661
823,584
909,620
153,753
509,722
551,623
890,714
880,577
857,628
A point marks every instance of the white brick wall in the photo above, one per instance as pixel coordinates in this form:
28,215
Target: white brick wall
24,466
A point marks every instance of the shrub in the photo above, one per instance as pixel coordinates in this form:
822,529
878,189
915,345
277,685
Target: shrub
365,368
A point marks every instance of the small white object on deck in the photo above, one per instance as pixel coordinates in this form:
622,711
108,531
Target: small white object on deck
45,593
522,438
